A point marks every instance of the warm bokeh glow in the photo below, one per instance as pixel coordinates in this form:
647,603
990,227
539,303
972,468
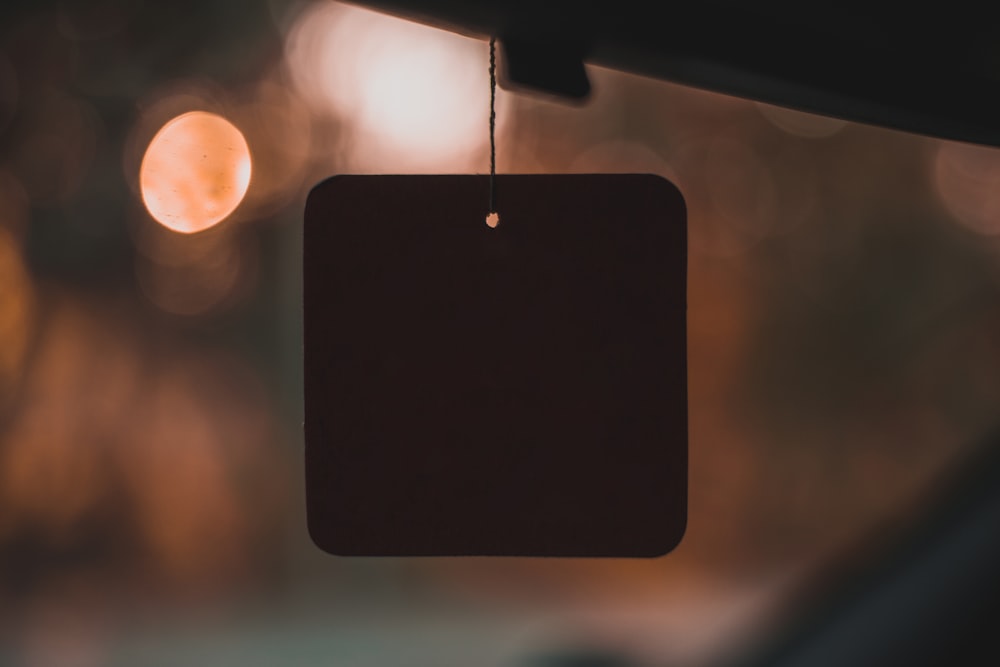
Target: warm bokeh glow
17,306
967,178
843,346
414,95
110,426
279,126
617,156
195,278
801,124
730,191
14,204
195,172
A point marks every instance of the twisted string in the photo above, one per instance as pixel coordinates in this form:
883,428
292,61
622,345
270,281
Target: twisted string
493,123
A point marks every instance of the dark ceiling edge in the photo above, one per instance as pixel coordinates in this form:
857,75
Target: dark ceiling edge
745,56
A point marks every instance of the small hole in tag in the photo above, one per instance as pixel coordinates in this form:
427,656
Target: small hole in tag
492,220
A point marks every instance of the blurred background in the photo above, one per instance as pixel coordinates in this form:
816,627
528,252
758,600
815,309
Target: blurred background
844,327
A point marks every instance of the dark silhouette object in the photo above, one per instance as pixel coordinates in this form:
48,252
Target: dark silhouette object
929,70
932,598
518,390
551,67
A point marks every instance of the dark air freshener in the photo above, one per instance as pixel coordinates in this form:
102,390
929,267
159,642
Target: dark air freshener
513,390
496,384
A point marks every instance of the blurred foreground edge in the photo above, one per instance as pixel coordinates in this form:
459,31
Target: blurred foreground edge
934,71
925,593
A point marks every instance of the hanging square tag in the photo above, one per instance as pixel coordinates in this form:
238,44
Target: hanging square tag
518,390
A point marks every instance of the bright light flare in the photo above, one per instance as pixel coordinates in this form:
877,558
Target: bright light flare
413,94
195,172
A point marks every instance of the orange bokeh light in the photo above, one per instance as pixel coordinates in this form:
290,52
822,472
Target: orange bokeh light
195,172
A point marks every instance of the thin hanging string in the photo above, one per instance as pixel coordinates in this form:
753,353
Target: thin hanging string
493,124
